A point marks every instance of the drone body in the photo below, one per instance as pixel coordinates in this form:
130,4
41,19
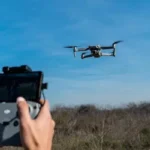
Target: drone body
96,51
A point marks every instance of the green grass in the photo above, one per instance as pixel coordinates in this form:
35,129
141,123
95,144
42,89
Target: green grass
89,128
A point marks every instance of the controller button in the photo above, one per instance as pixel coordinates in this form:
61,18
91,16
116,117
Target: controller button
16,123
5,123
7,111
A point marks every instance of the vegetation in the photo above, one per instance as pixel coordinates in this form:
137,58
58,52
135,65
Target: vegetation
89,128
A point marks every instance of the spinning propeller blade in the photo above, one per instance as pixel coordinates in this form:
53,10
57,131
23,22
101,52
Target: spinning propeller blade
74,49
70,46
117,42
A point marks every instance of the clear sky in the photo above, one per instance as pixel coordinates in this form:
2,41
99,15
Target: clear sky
34,32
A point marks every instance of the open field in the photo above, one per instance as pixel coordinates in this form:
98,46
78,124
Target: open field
89,128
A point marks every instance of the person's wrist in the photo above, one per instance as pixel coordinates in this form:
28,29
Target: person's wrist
49,147
43,148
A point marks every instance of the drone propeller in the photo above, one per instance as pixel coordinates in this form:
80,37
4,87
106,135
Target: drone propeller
74,49
116,42
70,46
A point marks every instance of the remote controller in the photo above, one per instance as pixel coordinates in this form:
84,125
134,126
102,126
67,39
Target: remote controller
18,81
9,122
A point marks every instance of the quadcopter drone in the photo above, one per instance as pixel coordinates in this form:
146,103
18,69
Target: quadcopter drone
96,51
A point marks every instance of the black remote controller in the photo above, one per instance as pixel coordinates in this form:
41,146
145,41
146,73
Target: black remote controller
16,82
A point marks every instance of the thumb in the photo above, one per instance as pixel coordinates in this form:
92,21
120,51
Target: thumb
23,109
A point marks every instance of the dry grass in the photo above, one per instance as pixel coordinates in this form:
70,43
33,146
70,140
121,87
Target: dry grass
89,128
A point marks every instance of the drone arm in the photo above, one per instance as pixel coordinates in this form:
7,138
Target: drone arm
107,54
111,47
86,56
83,49
106,47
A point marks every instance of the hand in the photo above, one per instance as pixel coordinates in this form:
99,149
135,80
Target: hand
35,134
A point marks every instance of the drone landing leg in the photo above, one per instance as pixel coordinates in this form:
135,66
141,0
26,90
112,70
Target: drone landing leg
114,52
86,56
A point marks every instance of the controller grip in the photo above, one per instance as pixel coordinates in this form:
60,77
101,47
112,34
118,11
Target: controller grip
9,122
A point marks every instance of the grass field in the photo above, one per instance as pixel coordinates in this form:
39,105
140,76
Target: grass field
89,128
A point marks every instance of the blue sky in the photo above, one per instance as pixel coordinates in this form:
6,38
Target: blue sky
34,32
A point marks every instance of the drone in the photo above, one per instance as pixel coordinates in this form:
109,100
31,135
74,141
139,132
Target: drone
96,51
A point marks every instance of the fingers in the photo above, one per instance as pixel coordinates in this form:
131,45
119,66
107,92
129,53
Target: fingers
24,114
42,102
45,111
53,123
53,126
23,109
